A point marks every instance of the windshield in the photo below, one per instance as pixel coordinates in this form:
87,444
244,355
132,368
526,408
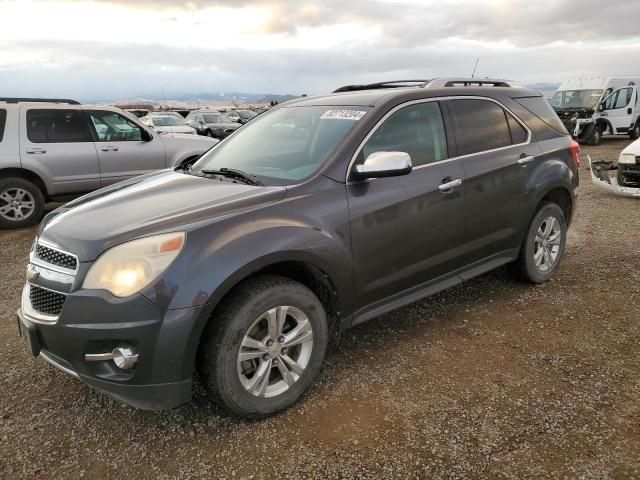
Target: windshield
284,146
216,118
576,98
168,121
245,114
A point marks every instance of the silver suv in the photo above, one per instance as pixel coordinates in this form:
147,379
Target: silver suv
53,150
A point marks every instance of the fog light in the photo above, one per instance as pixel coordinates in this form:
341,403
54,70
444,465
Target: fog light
124,357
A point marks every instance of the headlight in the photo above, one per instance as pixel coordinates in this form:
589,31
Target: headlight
128,268
627,158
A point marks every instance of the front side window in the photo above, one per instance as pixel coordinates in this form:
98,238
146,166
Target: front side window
216,118
3,121
287,145
417,130
481,125
57,126
619,99
113,127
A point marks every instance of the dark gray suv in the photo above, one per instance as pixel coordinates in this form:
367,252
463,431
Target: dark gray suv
321,214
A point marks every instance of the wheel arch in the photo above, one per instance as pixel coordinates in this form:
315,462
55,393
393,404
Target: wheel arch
26,175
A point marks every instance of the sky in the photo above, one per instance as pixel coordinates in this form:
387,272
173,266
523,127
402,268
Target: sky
113,49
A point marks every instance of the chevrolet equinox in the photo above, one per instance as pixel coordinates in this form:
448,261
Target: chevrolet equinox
319,215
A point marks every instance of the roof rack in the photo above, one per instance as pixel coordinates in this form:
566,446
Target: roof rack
389,84
466,82
435,83
39,100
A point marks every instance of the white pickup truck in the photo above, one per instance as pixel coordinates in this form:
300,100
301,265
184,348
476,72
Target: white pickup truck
53,149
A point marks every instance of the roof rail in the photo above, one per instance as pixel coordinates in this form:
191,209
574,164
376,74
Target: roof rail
466,82
389,84
39,100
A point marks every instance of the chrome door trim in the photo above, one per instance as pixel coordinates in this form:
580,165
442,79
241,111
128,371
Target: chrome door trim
437,99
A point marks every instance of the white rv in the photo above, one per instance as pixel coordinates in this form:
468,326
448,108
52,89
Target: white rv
592,107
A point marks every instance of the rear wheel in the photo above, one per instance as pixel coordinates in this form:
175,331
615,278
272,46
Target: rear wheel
264,346
209,133
21,203
543,245
634,133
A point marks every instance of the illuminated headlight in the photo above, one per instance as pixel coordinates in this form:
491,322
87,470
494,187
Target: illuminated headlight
627,158
128,268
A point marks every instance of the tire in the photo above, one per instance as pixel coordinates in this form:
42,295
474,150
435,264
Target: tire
209,134
21,203
634,133
595,136
526,266
241,319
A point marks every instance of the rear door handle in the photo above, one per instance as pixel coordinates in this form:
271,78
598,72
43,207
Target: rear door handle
525,160
109,148
444,187
36,150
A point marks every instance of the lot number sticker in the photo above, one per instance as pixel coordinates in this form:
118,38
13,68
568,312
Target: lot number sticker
344,114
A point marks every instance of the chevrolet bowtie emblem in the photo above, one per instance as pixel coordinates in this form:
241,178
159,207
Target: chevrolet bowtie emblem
32,273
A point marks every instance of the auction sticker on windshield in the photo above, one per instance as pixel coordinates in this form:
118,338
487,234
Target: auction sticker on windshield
344,114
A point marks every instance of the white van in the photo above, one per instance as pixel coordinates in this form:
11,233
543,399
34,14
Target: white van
592,107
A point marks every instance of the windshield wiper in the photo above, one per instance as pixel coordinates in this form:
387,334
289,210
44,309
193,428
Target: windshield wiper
237,174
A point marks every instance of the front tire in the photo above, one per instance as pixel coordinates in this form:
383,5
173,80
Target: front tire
264,346
595,136
543,246
21,203
634,133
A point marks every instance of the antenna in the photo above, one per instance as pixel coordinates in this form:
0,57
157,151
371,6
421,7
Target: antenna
473,74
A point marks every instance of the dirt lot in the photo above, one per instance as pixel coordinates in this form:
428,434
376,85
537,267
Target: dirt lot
493,379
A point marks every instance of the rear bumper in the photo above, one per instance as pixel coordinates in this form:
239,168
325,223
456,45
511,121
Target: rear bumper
602,180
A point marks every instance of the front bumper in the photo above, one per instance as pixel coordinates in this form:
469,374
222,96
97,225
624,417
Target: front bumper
602,180
162,378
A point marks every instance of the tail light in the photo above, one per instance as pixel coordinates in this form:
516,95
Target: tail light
575,150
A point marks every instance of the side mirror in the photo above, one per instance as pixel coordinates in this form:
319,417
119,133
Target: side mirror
601,107
146,136
384,164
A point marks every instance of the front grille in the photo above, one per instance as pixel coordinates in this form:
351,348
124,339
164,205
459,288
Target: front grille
56,257
46,301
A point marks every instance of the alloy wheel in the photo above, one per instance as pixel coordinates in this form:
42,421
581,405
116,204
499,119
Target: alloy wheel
547,244
275,351
16,204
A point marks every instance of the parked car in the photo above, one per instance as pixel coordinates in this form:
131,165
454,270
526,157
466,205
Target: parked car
211,123
321,214
241,116
592,107
54,150
626,181
168,123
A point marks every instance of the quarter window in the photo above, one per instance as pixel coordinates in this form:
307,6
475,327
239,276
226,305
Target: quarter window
518,133
481,126
57,126
417,130
3,121
113,127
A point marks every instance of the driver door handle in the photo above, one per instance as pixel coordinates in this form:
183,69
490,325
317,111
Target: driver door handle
109,148
444,187
523,161
36,150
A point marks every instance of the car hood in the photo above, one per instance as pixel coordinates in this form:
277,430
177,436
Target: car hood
233,126
633,148
159,202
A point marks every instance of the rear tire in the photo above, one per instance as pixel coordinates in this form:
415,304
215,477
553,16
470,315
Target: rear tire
21,203
595,136
249,359
634,133
543,245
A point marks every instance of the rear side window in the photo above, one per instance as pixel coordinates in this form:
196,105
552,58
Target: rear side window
542,109
518,133
417,130
57,126
3,121
481,125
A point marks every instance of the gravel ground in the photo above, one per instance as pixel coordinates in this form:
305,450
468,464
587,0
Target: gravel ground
492,379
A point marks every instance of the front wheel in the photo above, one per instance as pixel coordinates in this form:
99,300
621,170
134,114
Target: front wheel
595,136
264,346
543,245
634,132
